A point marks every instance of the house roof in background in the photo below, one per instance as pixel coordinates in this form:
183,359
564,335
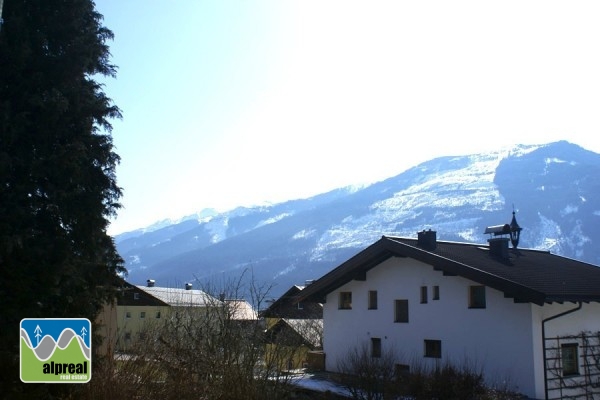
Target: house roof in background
308,331
181,297
526,275
286,306
242,310
131,295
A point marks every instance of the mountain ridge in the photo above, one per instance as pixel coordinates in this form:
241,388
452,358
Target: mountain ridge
550,185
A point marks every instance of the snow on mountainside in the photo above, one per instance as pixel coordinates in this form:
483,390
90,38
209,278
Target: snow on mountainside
553,188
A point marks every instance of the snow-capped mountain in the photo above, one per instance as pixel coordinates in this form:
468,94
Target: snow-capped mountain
552,187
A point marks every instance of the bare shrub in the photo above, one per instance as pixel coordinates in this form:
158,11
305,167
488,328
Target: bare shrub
388,377
210,352
367,377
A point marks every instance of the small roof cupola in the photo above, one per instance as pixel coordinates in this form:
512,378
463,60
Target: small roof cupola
515,231
499,245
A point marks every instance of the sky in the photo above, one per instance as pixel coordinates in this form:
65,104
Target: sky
239,103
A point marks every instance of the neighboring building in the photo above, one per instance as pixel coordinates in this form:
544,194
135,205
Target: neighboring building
139,306
526,317
287,306
241,310
293,330
107,326
136,308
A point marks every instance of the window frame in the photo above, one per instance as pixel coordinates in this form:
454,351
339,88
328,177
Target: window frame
424,295
376,347
477,297
404,316
345,300
432,348
142,314
571,349
436,292
372,300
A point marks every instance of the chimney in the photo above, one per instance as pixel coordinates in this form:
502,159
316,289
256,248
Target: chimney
188,286
499,247
150,282
427,239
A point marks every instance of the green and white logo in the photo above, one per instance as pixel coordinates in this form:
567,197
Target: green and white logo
56,350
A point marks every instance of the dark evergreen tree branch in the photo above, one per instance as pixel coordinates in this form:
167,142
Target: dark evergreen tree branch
57,171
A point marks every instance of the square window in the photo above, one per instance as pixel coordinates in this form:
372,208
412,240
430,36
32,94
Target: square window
570,359
423,294
436,293
300,306
477,297
158,314
136,296
142,314
402,370
127,335
372,299
128,314
433,348
375,347
400,310
345,301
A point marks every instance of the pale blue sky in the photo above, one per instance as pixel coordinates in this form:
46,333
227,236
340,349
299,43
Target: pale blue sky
229,103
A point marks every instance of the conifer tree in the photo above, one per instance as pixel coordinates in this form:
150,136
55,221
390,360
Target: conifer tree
58,186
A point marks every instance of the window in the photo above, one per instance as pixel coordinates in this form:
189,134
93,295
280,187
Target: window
433,348
400,310
127,335
158,314
423,294
345,301
300,306
372,299
128,314
142,314
570,359
402,370
477,297
375,347
136,296
436,293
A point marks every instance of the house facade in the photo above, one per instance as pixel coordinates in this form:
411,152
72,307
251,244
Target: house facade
525,318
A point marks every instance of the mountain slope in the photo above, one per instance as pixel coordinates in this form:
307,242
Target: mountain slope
552,187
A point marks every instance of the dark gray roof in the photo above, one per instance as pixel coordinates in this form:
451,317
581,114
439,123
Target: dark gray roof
526,275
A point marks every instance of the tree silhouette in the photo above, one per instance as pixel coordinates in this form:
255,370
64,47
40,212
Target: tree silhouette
57,171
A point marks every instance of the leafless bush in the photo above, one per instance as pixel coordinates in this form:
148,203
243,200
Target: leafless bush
210,352
389,376
367,377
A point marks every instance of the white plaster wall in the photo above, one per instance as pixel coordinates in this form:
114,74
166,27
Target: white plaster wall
497,338
585,319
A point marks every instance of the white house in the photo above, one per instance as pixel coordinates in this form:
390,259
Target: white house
526,317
